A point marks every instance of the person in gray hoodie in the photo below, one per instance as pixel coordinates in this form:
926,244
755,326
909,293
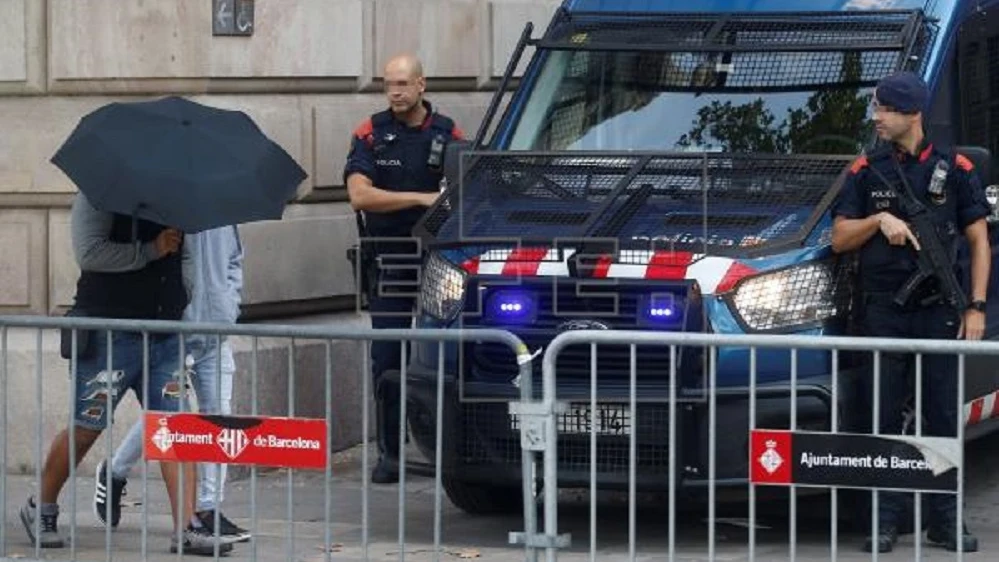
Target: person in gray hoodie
213,272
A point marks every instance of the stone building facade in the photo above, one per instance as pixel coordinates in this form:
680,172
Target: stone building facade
307,75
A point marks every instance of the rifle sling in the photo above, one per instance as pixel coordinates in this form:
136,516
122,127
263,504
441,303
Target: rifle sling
910,206
916,207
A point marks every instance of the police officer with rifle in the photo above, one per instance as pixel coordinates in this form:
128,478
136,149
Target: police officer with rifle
903,207
393,174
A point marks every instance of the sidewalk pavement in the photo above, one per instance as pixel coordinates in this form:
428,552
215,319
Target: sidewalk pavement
463,537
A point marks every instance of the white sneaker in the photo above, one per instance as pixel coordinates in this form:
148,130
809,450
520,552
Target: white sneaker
49,536
200,542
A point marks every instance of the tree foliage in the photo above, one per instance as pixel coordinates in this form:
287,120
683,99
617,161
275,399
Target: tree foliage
832,121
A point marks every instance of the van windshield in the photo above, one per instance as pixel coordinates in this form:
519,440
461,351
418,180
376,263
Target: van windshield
754,102
725,133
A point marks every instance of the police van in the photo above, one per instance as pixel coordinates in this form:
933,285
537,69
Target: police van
663,169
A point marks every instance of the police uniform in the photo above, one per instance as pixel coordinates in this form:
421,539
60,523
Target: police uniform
884,268
395,157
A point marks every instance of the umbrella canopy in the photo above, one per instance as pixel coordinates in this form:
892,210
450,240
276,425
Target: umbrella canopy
179,163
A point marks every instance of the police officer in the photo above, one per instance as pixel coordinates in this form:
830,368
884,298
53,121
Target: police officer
869,218
393,174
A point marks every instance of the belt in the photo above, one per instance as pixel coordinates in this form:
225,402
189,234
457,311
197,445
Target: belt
918,301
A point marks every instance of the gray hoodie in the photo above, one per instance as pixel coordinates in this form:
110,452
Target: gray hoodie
212,261
213,269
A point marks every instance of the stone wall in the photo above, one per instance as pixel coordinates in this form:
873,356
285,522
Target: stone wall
307,75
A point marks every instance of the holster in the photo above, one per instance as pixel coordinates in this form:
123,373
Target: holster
363,261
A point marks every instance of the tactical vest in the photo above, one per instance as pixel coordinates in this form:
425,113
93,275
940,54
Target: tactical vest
401,156
897,263
155,292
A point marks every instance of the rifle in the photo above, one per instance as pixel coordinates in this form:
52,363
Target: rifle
934,259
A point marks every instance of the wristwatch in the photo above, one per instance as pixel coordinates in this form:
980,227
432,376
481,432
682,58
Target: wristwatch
977,305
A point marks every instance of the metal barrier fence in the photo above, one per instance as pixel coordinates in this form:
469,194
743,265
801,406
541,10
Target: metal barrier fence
294,340
630,430
620,429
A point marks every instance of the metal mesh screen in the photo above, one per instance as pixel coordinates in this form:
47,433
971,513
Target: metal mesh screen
558,303
993,62
802,30
735,72
744,51
794,296
992,59
490,361
721,202
979,72
562,193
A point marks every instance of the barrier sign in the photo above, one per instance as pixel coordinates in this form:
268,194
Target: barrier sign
855,461
270,441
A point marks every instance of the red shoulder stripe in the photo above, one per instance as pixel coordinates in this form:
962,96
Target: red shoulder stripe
457,133
964,163
858,165
365,129
926,153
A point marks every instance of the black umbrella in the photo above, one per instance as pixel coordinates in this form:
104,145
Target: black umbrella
180,164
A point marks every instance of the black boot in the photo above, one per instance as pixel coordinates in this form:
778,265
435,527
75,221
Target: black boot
886,539
387,414
386,471
942,529
946,535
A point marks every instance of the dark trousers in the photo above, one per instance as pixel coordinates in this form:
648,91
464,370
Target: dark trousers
389,312
882,318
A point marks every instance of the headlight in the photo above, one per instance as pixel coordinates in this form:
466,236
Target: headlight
796,296
443,288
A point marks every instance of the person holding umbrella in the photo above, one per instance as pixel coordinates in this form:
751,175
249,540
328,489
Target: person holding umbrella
129,268
148,172
213,271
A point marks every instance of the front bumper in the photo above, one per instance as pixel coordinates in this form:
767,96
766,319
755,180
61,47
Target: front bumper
482,440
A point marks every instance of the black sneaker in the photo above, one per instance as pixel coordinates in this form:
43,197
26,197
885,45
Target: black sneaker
117,490
228,530
887,537
48,537
198,541
945,536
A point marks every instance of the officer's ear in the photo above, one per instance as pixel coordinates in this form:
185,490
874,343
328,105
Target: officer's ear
421,83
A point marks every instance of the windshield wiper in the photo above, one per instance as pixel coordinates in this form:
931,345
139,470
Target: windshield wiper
595,241
615,193
623,214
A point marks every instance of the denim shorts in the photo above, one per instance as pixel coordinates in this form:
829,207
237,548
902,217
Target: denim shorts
96,378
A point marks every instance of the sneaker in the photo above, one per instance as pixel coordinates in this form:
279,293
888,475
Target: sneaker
101,491
227,529
945,536
886,539
49,535
199,541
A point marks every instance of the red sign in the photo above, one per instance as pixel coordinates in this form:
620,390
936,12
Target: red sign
770,457
284,442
